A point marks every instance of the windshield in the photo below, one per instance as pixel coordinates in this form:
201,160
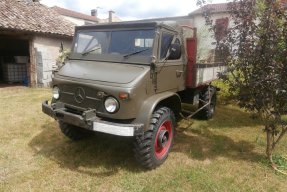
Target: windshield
127,43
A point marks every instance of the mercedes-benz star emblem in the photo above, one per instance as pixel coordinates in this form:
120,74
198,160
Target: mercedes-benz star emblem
79,95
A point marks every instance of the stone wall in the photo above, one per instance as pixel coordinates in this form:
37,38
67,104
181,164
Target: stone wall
46,52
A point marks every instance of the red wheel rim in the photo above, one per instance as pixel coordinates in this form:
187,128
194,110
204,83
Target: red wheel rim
163,139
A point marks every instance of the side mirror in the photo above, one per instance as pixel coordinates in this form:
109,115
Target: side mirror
175,51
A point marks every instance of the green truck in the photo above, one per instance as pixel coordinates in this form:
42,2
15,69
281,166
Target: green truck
130,79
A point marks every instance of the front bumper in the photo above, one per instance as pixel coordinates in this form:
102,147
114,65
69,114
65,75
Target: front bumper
89,120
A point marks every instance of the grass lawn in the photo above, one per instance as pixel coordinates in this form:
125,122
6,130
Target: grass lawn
226,153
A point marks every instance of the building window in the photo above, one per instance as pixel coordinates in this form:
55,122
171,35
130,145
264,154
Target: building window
221,26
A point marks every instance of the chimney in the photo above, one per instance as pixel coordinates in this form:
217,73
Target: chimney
94,12
111,16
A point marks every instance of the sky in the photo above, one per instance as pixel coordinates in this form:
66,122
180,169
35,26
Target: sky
130,9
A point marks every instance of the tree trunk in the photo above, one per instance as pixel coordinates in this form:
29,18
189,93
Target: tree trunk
282,133
269,148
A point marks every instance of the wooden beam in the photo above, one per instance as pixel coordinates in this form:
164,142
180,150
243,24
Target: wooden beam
32,67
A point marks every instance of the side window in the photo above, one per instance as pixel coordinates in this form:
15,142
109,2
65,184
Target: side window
166,40
176,50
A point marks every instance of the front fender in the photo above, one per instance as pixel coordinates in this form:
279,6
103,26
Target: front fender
149,105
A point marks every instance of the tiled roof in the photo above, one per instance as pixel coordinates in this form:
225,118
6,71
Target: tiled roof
74,14
24,15
214,8
220,8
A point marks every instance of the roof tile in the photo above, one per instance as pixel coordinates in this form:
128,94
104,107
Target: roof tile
25,15
214,8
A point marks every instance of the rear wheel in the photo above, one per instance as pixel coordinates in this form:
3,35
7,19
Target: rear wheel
73,132
208,111
152,148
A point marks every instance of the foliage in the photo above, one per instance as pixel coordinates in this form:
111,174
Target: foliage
206,12
255,49
63,56
224,95
281,161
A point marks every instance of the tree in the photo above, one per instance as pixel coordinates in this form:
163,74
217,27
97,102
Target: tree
206,12
255,49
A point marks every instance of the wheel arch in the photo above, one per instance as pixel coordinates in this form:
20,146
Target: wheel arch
173,102
167,99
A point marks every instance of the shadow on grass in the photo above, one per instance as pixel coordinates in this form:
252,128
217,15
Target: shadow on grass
104,155
203,144
227,116
99,155
197,139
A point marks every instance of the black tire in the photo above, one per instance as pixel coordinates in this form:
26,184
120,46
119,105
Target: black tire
152,148
73,132
208,111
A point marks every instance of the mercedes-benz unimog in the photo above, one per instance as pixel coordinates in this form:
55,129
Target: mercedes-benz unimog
130,79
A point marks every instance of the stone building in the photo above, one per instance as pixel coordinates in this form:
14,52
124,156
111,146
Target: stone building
30,37
76,17
82,19
220,18
206,52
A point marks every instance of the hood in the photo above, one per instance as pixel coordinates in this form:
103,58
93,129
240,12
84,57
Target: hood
101,71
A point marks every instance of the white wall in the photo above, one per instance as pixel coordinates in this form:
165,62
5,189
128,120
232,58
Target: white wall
77,22
114,19
49,48
205,37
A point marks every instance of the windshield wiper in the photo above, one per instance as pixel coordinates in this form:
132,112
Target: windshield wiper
134,53
90,50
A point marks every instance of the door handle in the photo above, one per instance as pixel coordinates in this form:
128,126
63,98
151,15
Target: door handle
178,73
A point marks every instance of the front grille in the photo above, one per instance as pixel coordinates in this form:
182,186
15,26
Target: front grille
80,97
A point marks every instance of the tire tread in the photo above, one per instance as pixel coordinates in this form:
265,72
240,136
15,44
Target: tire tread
143,144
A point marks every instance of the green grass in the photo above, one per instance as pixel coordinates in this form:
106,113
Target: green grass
281,162
223,154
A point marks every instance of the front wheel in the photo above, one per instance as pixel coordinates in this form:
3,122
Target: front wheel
151,149
73,132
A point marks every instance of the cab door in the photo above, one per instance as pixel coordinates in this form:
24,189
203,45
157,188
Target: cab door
170,72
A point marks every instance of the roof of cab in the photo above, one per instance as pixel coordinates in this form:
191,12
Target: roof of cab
130,24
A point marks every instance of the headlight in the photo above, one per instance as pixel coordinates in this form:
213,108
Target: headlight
111,105
56,92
